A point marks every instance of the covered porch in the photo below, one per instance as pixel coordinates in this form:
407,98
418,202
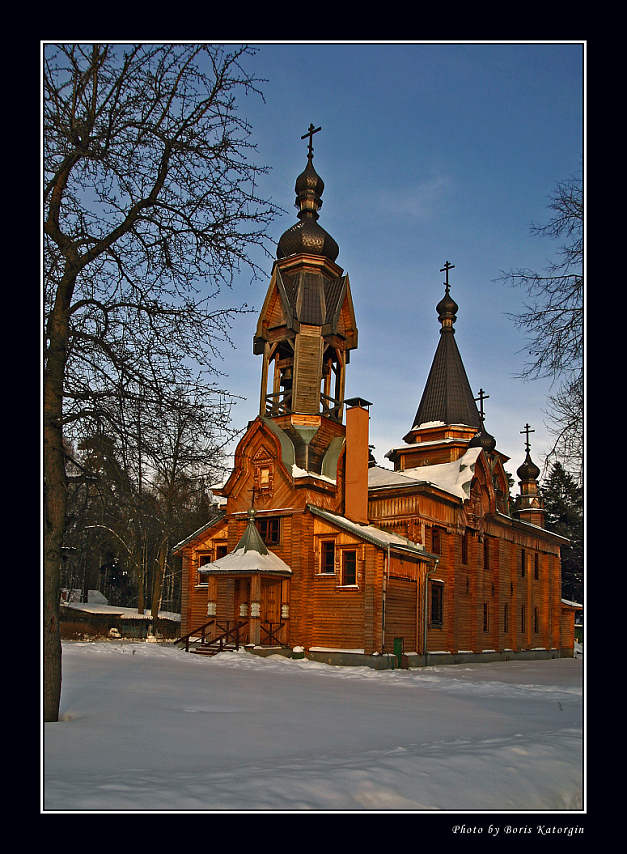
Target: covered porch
255,593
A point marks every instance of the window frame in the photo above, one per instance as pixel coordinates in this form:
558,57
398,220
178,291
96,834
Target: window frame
436,598
351,550
322,570
464,555
436,540
200,561
266,521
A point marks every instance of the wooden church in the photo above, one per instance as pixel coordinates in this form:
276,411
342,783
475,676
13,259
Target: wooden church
320,550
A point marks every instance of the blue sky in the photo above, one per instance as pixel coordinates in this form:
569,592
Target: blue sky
429,152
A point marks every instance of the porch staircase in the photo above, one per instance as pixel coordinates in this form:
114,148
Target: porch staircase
203,641
231,635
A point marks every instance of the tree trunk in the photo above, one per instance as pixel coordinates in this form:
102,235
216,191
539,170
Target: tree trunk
158,584
55,498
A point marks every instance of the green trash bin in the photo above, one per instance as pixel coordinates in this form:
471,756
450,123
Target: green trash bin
399,644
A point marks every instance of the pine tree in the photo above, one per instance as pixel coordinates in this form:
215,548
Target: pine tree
563,503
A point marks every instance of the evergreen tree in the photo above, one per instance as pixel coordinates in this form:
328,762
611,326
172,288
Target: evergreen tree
563,504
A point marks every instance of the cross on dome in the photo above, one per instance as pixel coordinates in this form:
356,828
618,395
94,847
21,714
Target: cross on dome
527,429
311,131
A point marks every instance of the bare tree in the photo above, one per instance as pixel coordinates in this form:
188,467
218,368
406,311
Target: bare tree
554,321
150,208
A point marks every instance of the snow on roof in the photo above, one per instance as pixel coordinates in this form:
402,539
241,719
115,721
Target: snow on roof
418,445
426,424
247,561
115,610
377,536
571,604
298,472
453,477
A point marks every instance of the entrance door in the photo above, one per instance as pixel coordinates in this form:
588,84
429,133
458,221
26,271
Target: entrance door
270,611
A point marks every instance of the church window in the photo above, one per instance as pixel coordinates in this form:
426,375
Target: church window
264,477
270,530
536,566
506,618
349,567
522,563
486,553
327,557
523,621
465,547
437,604
436,544
536,620
485,616
203,558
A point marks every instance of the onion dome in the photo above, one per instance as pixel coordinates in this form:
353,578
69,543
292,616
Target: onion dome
447,309
306,235
483,440
528,470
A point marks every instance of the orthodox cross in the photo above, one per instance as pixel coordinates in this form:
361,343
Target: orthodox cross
312,130
482,396
447,266
527,430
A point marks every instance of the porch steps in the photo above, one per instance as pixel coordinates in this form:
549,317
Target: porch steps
212,649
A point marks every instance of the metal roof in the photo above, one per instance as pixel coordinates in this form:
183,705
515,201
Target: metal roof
447,395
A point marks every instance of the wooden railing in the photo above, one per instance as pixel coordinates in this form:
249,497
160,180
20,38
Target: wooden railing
279,403
331,407
236,634
194,633
270,633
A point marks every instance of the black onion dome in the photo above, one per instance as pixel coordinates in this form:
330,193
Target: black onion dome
483,440
306,235
447,307
309,180
528,470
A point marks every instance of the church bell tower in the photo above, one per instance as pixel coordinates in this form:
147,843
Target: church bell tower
306,327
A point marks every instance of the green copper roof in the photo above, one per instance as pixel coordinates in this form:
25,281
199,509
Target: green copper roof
250,540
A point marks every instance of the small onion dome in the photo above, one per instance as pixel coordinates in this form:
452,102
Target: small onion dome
309,181
447,308
528,470
483,440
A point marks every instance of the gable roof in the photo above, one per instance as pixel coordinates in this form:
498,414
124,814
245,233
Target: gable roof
198,532
371,534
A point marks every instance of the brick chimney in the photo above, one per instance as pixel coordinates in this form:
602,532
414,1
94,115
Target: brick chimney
356,484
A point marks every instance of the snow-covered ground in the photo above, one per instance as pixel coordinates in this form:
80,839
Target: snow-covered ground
150,727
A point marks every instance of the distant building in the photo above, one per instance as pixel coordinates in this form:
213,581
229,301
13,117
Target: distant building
319,547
